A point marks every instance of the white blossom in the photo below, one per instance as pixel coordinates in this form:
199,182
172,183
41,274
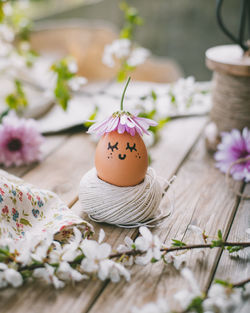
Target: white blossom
72,66
112,270
184,297
198,232
94,254
96,261
138,56
177,260
149,243
161,306
7,9
6,33
123,49
76,83
119,48
101,236
5,48
48,275
222,300
66,272
67,252
9,276
128,245
42,248
123,248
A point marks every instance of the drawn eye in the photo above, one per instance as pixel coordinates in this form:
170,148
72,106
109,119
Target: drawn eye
115,146
133,148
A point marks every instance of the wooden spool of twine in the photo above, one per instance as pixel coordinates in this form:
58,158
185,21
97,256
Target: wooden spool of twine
230,95
231,87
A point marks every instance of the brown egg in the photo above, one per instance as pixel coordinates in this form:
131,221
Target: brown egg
121,159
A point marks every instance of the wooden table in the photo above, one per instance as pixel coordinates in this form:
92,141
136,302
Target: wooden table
202,198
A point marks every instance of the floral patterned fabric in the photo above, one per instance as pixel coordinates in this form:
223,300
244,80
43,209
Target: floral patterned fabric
25,208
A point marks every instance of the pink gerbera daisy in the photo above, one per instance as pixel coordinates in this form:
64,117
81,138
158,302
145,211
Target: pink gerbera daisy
20,141
122,121
234,146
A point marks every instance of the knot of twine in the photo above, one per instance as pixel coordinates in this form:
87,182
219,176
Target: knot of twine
123,206
231,101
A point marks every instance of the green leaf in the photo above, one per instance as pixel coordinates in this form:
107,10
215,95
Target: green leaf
178,243
121,75
195,305
133,246
173,99
92,117
5,113
25,222
17,99
219,234
232,249
153,95
131,20
153,260
62,91
78,259
26,274
4,251
223,283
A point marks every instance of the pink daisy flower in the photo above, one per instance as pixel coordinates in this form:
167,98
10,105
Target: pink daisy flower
234,146
122,122
20,141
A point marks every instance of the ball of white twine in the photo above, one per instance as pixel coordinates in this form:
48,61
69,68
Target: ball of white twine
123,206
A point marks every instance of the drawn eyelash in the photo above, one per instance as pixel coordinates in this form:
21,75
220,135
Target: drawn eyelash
115,146
133,148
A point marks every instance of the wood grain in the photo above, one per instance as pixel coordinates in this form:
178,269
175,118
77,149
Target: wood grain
176,144
236,267
203,199
51,144
62,170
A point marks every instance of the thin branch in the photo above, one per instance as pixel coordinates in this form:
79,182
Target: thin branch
241,283
186,247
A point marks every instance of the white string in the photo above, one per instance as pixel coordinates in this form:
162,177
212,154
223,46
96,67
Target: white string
123,206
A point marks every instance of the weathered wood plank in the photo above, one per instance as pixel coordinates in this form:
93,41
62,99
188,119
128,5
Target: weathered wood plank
83,295
62,170
231,267
203,199
51,144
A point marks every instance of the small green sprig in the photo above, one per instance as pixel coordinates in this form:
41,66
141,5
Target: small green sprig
17,99
178,243
2,2
131,21
62,90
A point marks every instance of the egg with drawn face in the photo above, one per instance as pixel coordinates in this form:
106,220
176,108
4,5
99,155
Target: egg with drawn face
121,159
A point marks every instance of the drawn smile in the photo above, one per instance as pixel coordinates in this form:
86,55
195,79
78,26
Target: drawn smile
122,157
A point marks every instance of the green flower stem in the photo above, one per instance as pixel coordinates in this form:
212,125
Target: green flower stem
123,94
6,112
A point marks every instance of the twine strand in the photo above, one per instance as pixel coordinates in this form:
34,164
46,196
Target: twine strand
231,101
124,206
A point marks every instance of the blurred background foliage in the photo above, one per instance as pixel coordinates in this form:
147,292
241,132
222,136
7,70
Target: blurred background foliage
178,29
